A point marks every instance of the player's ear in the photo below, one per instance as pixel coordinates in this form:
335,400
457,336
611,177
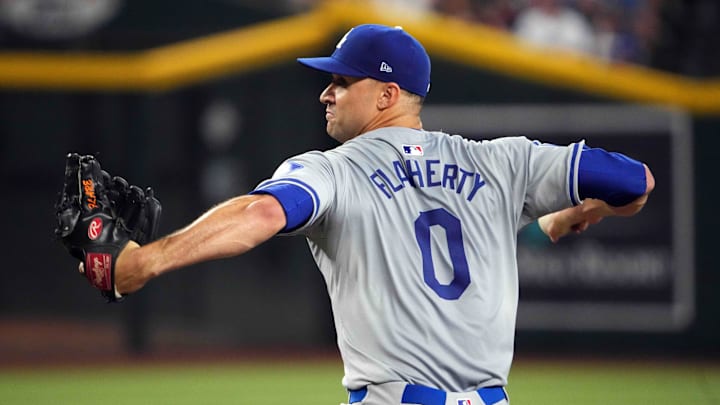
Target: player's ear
389,95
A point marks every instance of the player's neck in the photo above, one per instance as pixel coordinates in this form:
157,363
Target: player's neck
394,120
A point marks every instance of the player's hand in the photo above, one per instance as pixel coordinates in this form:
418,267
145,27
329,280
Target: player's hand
574,220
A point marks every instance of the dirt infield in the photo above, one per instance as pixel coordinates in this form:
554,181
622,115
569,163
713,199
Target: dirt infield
49,342
60,342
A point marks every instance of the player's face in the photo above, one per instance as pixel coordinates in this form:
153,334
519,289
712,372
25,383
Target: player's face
351,106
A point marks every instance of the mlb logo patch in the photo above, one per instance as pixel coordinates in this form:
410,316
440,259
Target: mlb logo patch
464,402
413,150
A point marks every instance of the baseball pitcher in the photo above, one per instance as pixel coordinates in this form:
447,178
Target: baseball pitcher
414,231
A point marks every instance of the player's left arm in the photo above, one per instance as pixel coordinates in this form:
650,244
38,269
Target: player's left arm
610,184
229,229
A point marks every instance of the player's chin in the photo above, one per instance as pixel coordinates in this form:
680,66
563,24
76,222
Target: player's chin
332,130
340,136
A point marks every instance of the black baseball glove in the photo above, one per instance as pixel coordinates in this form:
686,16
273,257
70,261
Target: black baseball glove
97,215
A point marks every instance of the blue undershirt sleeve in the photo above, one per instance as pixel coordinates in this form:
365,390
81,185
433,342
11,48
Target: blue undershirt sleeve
609,176
297,203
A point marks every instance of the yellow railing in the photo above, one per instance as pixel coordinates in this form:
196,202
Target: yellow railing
265,44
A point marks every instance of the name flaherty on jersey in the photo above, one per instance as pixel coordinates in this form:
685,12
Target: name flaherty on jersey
427,173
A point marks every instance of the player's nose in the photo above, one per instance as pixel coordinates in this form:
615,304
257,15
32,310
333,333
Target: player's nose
326,95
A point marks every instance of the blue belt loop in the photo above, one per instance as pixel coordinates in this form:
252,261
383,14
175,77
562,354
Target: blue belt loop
357,395
418,394
490,395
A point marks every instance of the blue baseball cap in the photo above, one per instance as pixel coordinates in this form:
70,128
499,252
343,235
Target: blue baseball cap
387,54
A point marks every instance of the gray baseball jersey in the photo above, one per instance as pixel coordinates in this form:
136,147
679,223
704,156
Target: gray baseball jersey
415,235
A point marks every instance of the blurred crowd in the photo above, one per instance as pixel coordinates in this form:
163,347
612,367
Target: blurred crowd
614,30
679,36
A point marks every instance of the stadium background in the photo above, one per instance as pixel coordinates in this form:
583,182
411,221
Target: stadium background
202,100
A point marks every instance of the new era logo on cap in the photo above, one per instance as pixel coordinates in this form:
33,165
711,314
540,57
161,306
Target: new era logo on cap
387,54
384,67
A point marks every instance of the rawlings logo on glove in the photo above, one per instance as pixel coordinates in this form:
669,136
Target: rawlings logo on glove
97,215
98,270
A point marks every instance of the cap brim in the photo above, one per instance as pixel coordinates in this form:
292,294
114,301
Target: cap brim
328,64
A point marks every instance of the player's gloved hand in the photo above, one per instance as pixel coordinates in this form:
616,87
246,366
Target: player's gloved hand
98,215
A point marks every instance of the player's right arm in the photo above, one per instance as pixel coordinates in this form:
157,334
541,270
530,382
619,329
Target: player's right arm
610,184
229,229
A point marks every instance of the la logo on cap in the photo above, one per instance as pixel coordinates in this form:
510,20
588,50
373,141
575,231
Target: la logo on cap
344,38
